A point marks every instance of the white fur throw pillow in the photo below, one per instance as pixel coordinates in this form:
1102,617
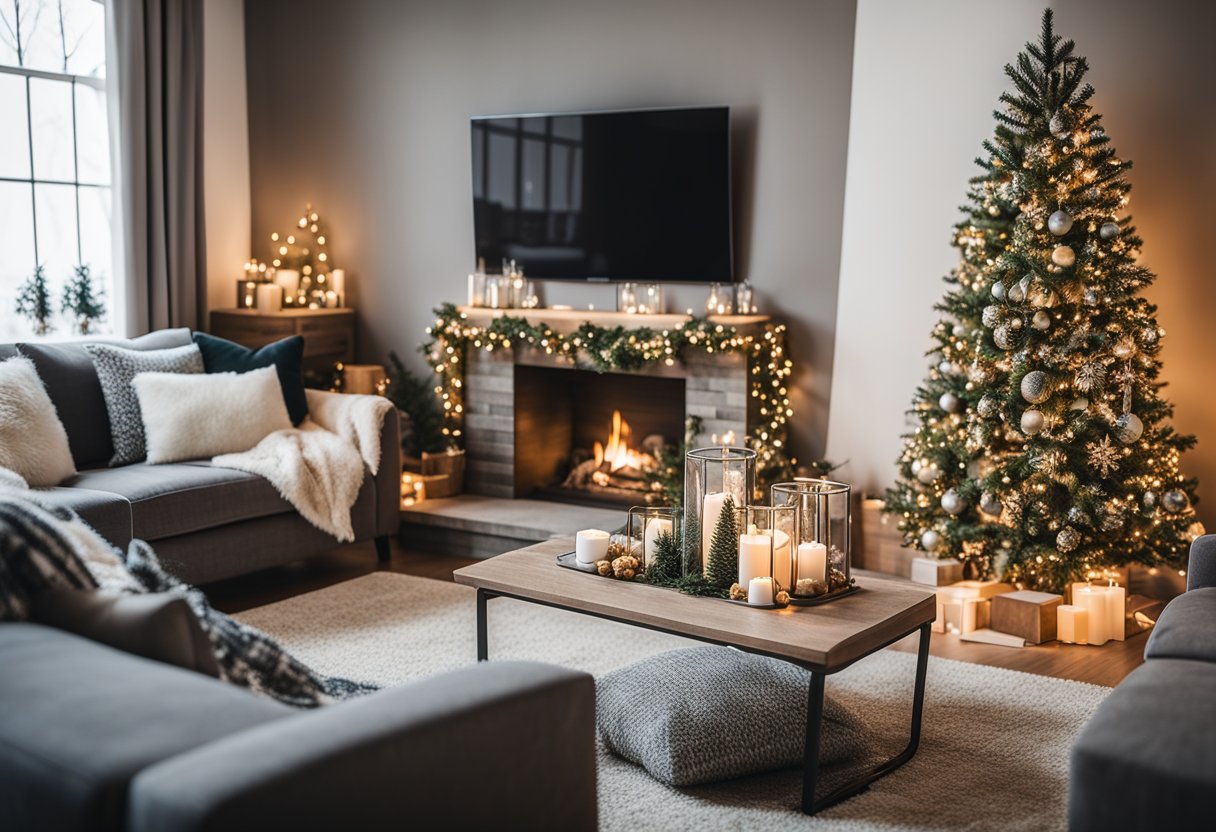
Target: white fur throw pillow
33,443
189,416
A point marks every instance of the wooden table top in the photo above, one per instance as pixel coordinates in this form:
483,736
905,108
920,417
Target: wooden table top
826,638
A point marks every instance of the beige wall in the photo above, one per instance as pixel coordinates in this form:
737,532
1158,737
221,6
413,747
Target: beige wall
362,108
225,148
928,74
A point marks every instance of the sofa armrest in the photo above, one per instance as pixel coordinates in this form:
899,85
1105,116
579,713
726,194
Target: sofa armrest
1201,566
502,745
388,479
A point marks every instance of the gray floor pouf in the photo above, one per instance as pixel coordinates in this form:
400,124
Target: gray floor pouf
706,714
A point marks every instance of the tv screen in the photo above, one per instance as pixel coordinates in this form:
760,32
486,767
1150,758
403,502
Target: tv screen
626,196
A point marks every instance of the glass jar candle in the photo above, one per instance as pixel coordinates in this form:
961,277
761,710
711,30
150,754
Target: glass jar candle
822,547
766,542
716,479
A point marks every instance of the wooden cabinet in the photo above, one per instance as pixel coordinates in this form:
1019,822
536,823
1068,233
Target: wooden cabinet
329,334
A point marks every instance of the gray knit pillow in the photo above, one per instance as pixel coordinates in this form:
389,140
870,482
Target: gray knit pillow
712,713
116,368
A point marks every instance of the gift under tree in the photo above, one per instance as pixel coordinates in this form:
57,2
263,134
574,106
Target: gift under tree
1042,450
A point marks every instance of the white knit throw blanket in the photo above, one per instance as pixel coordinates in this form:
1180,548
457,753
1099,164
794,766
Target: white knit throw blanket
318,467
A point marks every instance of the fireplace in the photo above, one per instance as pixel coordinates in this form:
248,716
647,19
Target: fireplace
563,415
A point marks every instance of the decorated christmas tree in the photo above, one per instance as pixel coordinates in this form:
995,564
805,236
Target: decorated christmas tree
34,302
1042,450
304,250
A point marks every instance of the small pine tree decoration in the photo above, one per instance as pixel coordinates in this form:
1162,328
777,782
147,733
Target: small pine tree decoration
1042,449
722,566
415,397
82,300
666,569
34,302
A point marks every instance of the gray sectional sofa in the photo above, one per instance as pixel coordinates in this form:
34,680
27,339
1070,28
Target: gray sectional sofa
1146,760
205,523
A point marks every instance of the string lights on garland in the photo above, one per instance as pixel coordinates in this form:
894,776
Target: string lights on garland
608,349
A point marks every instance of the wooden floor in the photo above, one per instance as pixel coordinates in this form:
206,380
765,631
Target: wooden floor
1105,665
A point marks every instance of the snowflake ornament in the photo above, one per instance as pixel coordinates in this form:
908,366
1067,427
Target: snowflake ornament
1103,456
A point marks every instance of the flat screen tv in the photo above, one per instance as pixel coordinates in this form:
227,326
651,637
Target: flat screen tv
639,195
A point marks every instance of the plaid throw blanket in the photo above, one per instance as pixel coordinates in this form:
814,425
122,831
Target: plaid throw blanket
43,548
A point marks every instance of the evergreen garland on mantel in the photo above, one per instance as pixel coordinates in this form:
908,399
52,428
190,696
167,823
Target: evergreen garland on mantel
608,349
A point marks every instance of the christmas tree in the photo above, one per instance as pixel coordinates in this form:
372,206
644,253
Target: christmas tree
305,251
666,569
34,302
722,565
1041,451
82,300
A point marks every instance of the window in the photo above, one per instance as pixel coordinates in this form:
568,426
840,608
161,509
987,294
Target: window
55,207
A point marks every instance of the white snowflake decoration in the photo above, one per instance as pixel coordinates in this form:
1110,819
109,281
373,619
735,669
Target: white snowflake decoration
1103,456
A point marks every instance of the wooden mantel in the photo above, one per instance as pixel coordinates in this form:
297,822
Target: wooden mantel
566,321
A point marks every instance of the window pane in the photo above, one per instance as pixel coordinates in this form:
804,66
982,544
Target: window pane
39,33
51,108
92,135
16,254
85,26
95,239
56,218
534,174
14,137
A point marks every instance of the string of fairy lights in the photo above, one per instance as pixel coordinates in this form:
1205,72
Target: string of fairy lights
607,349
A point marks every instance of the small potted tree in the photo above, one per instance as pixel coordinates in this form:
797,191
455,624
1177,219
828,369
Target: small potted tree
83,300
34,302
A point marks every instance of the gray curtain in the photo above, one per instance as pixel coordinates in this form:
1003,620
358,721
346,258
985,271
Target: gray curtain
157,57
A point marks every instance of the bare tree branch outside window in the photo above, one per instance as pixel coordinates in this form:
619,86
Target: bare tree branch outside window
17,28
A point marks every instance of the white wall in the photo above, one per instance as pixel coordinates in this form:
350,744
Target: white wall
225,148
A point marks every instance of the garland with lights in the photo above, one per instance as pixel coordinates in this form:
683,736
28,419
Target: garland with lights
607,349
1041,452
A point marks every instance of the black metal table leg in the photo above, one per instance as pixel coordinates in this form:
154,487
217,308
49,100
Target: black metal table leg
483,641
814,721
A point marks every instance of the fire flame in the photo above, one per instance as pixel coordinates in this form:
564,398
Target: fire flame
617,454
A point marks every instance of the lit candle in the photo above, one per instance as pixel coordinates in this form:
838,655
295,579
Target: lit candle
813,561
289,279
591,545
1072,624
270,297
654,528
760,591
337,279
1116,612
1093,599
755,551
711,510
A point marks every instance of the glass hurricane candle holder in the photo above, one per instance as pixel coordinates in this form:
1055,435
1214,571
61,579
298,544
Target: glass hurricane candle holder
766,545
713,477
822,547
654,533
627,298
720,301
247,294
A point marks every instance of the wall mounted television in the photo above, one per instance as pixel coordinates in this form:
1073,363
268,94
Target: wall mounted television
639,195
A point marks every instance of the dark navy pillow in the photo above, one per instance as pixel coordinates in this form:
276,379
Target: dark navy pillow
287,356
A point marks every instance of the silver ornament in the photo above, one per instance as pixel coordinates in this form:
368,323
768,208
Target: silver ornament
949,403
1174,501
959,330
988,406
990,504
1149,500
1068,539
1036,387
1109,230
1033,422
1063,256
1149,335
928,473
930,540
998,290
1077,517
1080,404
1128,428
1041,320
944,367
1003,337
991,316
1015,324
1112,521
1091,297
1016,293
953,502
1059,223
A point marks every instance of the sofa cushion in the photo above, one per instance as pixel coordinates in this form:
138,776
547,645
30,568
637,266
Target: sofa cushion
71,381
179,498
80,720
33,443
1147,757
109,514
1186,628
286,356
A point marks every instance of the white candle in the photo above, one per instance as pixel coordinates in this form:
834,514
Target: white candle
1116,612
1093,599
813,561
289,279
1072,624
337,279
591,545
760,591
711,510
754,552
270,297
654,528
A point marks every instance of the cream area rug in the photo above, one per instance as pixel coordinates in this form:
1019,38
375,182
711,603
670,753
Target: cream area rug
993,753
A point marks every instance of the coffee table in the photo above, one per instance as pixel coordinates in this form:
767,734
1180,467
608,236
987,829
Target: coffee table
823,639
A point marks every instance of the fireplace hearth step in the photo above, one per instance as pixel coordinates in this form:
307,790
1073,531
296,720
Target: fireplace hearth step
473,526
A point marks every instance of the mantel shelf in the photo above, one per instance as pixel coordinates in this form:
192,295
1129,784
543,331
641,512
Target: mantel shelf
568,320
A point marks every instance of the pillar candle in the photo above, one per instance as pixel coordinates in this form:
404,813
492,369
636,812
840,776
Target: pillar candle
591,545
813,561
270,297
654,527
760,591
1093,599
711,510
337,279
1116,612
754,553
289,279
1072,624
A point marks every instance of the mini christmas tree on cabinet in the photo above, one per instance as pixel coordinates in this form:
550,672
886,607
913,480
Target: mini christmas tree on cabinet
1042,450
